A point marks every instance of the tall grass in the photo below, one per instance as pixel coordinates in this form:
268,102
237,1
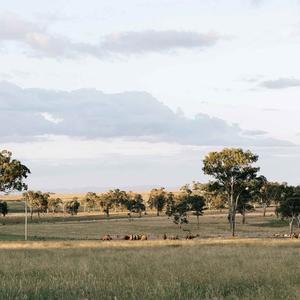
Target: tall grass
216,271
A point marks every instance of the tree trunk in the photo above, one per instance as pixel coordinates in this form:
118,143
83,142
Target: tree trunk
157,212
107,212
31,213
198,221
264,209
244,217
233,223
291,225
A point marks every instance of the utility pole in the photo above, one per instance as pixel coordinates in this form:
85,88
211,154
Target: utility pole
26,223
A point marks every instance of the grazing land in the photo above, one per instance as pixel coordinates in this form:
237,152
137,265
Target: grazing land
65,258
210,269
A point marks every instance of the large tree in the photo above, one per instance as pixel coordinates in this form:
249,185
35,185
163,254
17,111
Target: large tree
12,173
233,171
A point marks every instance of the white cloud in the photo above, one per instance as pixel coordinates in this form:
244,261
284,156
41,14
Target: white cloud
38,39
280,83
51,118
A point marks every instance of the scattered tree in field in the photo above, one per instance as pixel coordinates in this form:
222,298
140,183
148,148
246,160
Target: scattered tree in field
289,205
135,204
89,201
54,204
37,201
180,205
269,192
114,198
72,206
157,199
233,170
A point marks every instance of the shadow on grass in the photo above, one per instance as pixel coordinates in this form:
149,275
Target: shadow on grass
272,224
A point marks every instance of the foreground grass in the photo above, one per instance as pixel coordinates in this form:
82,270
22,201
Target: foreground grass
175,270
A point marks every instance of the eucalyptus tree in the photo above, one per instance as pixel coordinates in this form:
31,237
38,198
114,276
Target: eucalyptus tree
233,171
135,204
54,204
89,201
289,205
184,202
157,199
37,201
72,206
12,173
113,198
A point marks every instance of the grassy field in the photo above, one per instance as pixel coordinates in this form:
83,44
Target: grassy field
94,226
233,269
65,258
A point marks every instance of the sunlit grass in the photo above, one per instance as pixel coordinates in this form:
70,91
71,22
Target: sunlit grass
194,270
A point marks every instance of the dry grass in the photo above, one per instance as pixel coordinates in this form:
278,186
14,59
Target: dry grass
29,245
209,269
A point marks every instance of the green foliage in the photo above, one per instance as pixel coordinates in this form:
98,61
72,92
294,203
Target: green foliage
90,201
37,201
158,199
54,204
113,198
180,205
234,172
71,207
12,173
289,205
135,203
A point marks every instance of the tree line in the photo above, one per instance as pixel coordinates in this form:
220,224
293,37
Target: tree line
235,184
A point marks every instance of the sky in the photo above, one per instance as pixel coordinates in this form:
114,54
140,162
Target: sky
134,94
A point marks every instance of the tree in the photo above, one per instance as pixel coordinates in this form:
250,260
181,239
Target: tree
269,191
135,204
185,201
37,201
54,204
89,201
178,208
289,205
113,198
157,199
72,206
233,170
12,173
214,199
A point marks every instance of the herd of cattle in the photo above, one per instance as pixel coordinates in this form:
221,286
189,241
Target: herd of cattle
144,237
292,236
189,236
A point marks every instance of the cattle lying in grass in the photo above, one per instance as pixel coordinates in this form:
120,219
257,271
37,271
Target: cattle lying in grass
107,237
292,236
136,237
191,237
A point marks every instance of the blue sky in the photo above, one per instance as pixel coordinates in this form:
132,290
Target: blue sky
208,73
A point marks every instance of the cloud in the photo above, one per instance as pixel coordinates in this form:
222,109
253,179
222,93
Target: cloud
91,114
51,118
156,41
280,83
41,42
